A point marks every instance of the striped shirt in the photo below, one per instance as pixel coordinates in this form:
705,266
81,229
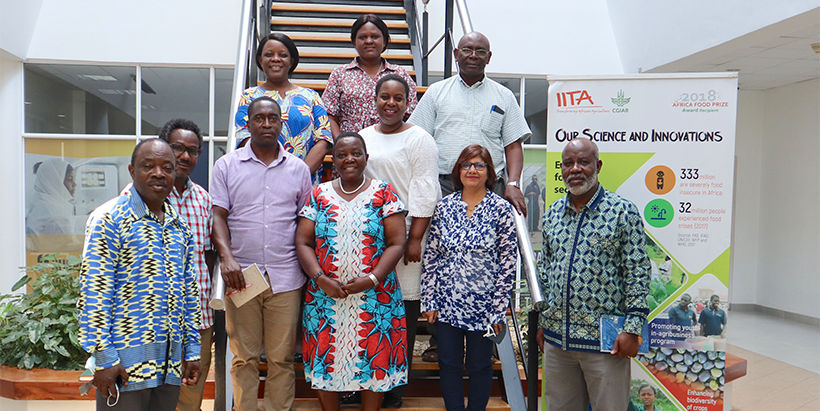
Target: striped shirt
138,292
457,115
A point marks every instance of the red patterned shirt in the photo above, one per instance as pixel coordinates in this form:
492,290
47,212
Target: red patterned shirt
195,206
350,94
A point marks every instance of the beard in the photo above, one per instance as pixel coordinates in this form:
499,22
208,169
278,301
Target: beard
588,184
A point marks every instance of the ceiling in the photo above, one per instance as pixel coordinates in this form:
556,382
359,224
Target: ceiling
774,56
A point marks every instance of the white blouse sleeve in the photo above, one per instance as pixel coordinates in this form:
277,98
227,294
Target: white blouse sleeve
424,191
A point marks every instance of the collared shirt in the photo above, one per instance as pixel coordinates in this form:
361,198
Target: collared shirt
350,94
304,117
262,203
713,321
195,207
680,316
139,300
593,263
469,264
457,115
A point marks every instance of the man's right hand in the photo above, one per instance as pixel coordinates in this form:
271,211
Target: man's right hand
106,380
431,316
331,287
539,337
232,274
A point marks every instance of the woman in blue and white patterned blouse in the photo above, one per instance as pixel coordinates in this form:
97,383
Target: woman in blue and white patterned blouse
469,268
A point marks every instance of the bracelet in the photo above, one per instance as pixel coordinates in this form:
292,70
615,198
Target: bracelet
317,275
374,279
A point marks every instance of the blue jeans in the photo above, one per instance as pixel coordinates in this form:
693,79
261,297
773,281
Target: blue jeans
451,365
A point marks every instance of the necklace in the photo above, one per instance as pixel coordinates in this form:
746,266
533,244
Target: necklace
342,186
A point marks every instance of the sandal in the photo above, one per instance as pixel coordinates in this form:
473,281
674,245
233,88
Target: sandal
430,355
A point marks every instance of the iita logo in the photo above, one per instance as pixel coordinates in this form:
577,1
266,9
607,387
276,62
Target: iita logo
620,100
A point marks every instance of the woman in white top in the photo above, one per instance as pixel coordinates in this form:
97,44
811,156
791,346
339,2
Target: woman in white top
405,156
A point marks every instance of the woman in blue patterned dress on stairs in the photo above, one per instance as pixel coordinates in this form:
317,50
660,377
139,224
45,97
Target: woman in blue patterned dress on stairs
469,268
306,128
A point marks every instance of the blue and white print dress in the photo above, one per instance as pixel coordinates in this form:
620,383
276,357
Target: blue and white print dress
469,264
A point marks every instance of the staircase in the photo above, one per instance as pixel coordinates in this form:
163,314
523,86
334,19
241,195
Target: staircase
321,31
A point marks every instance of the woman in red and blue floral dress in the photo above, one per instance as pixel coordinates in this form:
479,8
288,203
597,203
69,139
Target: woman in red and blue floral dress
350,236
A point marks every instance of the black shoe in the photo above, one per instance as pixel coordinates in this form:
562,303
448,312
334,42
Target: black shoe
351,398
391,401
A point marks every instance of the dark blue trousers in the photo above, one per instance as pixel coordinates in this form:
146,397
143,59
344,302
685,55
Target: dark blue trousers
451,362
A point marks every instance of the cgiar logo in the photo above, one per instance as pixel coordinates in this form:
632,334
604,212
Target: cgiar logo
620,100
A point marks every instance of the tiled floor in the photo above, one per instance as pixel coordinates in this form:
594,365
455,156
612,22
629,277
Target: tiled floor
783,363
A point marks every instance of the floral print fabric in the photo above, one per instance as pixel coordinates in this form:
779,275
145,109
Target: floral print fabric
358,342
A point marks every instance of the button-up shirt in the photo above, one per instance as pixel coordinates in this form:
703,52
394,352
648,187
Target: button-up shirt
262,203
138,295
469,264
195,207
593,263
350,94
457,115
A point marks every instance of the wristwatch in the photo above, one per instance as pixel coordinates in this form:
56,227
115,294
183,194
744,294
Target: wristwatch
317,275
515,184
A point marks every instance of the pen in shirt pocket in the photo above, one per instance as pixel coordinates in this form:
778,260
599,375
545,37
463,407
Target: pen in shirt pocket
497,109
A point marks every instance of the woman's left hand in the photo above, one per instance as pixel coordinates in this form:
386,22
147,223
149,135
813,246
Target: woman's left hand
412,253
358,285
498,328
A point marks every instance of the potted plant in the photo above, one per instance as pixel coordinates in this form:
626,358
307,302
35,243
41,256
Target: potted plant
39,329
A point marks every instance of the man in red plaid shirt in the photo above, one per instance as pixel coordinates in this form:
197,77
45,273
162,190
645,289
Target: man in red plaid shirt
194,205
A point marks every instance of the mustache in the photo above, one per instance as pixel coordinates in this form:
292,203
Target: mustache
158,181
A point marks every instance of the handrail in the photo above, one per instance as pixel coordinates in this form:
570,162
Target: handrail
415,40
528,258
464,16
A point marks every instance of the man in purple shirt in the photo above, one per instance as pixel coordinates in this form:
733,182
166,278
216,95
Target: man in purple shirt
257,192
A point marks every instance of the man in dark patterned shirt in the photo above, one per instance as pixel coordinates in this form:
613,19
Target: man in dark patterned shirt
593,263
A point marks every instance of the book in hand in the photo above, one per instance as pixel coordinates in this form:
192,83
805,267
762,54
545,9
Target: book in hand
612,325
255,284
86,376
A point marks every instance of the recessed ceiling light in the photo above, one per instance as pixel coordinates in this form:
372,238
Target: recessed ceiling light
61,115
735,70
94,77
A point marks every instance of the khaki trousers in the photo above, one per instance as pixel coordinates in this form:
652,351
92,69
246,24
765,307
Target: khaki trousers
190,397
272,319
577,379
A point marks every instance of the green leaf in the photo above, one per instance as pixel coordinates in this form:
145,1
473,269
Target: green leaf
20,283
62,351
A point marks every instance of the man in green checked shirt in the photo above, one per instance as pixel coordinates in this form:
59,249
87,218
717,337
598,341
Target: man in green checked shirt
593,263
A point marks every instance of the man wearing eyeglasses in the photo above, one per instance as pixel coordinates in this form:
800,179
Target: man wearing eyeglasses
473,109
194,205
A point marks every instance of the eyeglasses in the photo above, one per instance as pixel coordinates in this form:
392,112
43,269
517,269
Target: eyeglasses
192,151
467,52
479,165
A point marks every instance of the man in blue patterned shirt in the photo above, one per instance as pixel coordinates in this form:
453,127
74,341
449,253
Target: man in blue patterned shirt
593,263
139,301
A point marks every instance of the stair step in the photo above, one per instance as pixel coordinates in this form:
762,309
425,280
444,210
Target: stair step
410,404
388,3
402,44
418,364
346,10
328,25
348,49
346,56
307,32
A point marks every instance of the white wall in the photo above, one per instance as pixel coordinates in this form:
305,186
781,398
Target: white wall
748,154
11,168
147,31
17,22
789,242
536,37
651,33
